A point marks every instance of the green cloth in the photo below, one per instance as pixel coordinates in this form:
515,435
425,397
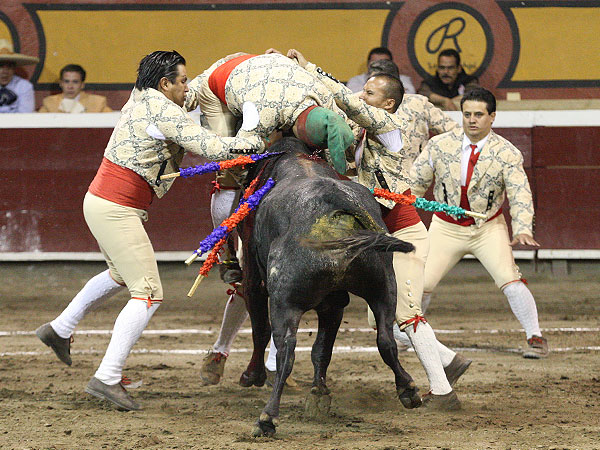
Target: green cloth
327,129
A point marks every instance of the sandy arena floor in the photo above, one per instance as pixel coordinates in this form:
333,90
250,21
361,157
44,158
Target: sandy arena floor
508,402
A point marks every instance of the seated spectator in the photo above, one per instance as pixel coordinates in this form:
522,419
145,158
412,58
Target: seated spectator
450,82
73,99
16,93
355,84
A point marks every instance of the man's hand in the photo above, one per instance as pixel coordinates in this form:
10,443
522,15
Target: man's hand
272,50
299,57
524,239
449,105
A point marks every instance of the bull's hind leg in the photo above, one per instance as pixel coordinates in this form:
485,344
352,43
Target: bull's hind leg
330,316
285,322
383,306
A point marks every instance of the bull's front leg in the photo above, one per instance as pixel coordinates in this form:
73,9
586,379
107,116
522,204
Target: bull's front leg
285,327
318,401
255,374
257,305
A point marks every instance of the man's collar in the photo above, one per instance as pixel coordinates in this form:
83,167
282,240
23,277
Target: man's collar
467,142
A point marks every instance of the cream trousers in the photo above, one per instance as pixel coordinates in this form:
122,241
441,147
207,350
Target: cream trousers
125,245
409,268
490,244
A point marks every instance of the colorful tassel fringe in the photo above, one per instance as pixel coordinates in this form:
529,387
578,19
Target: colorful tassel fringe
421,203
215,166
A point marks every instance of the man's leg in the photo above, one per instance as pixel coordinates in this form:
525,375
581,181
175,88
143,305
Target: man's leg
120,233
57,334
223,202
492,247
234,316
409,269
447,245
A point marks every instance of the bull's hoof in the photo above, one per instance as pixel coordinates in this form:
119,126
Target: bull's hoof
410,398
249,379
264,428
318,402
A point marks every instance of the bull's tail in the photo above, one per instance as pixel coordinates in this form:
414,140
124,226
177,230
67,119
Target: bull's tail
361,240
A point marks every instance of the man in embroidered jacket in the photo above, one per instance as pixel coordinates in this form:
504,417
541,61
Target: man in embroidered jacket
150,140
476,169
381,148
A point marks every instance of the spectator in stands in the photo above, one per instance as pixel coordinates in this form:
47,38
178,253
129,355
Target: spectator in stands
450,82
355,84
73,99
16,93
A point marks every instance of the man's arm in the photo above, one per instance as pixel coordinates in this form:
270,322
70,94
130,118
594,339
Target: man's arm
519,199
105,107
375,120
440,101
26,99
177,127
421,173
437,121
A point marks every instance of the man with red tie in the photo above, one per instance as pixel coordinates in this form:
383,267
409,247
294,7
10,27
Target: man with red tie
475,168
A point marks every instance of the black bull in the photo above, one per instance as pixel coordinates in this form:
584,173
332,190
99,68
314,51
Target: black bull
314,238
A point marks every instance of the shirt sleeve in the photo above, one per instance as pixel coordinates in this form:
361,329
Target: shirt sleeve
25,100
375,120
355,84
193,95
519,196
438,121
179,128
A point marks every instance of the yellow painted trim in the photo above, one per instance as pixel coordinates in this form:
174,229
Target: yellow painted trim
110,44
558,43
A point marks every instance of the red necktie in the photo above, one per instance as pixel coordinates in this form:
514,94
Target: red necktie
472,160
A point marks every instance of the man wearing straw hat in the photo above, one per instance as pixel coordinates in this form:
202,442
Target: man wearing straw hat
16,93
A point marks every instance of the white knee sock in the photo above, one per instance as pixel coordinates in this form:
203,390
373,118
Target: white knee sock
128,328
523,307
446,355
401,336
425,302
234,316
272,358
95,291
424,343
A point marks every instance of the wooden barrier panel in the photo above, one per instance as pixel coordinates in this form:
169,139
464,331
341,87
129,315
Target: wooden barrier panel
566,146
45,172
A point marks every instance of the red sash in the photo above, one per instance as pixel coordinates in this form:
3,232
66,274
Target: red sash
217,79
121,185
400,216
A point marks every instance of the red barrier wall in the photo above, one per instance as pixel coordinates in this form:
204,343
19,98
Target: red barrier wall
45,173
